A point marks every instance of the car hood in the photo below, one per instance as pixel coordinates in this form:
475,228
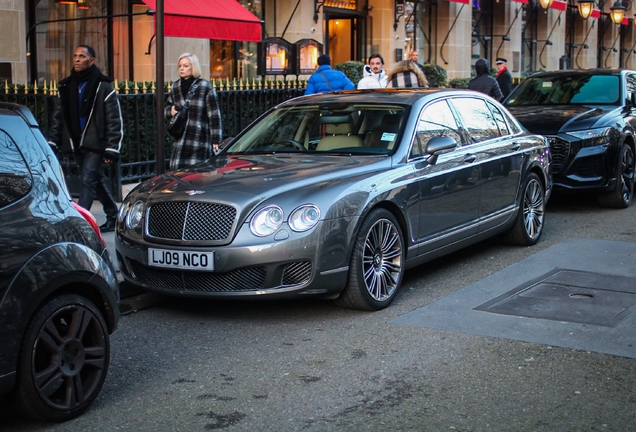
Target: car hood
550,120
239,179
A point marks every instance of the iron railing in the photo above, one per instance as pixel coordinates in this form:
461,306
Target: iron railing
240,102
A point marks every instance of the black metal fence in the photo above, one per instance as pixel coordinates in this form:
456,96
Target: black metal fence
138,162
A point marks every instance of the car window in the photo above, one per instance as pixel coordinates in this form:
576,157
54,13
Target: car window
499,119
478,120
567,89
15,177
330,128
436,120
631,84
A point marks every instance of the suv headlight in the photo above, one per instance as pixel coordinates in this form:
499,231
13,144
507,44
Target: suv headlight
592,137
266,221
304,218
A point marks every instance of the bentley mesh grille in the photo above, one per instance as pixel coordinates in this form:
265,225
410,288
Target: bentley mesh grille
560,150
246,279
297,273
191,221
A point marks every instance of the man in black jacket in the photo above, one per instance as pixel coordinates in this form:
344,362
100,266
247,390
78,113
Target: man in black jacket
484,82
504,78
88,122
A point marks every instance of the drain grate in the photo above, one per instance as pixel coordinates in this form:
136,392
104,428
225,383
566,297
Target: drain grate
570,295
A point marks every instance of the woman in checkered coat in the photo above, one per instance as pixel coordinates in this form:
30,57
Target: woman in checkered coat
407,74
203,128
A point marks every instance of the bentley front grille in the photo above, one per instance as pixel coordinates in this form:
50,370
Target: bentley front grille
191,221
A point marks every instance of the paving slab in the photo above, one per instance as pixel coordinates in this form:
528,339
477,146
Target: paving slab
578,294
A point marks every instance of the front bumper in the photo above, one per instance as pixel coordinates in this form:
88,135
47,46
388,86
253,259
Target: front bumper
577,168
287,264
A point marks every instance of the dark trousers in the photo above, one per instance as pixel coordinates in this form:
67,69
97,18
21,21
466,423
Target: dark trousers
94,184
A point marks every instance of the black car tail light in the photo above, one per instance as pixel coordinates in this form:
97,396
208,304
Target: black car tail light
91,221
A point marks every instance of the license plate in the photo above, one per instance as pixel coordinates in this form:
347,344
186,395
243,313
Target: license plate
185,260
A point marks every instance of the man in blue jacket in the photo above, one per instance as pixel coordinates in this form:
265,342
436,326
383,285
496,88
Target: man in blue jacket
327,80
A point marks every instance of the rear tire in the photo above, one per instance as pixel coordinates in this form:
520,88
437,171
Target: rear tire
621,196
63,359
529,224
377,264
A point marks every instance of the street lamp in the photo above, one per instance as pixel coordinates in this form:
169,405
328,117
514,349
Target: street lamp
545,4
617,12
585,8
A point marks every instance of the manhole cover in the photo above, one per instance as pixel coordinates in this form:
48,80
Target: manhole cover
570,295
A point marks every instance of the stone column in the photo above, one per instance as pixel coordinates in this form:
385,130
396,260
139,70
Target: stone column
13,42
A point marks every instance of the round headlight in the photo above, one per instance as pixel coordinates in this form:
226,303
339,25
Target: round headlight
266,221
122,211
304,218
134,215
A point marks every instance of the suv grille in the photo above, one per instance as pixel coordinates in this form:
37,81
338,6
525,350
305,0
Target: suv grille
560,150
191,221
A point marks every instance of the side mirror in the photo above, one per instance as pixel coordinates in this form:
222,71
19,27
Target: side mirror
437,146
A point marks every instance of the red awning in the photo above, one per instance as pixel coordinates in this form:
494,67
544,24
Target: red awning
209,19
559,5
596,13
521,1
460,1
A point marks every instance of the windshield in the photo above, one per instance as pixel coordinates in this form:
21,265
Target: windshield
566,90
336,128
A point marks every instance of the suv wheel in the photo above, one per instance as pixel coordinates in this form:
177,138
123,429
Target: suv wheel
621,196
63,359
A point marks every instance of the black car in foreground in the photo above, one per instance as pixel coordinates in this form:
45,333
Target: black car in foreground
588,117
59,297
336,195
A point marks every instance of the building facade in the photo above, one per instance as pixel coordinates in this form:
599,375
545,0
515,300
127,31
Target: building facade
40,35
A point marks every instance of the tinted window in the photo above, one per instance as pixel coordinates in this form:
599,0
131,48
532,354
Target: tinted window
567,89
477,118
436,120
15,177
499,118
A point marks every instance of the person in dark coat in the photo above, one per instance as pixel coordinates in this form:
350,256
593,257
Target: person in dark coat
484,82
326,79
504,78
203,131
87,122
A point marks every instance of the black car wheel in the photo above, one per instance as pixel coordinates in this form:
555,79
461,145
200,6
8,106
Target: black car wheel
63,359
377,263
529,224
621,196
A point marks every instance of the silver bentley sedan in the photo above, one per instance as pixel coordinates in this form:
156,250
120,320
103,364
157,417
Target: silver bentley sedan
336,195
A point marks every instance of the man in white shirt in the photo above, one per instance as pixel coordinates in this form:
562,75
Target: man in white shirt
374,74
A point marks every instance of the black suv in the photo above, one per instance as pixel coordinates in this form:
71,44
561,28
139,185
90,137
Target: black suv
588,117
59,298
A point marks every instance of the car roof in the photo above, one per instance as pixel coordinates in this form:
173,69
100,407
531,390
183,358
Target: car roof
579,72
20,110
383,96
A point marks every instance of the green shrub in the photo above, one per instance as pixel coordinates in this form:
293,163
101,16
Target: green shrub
352,69
460,83
435,74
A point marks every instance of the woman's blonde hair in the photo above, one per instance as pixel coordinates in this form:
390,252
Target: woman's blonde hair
409,66
194,61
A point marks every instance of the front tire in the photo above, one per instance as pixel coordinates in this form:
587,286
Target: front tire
377,264
529,224
621,196
63,359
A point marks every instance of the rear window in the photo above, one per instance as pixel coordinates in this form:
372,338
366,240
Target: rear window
567,89
15,177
